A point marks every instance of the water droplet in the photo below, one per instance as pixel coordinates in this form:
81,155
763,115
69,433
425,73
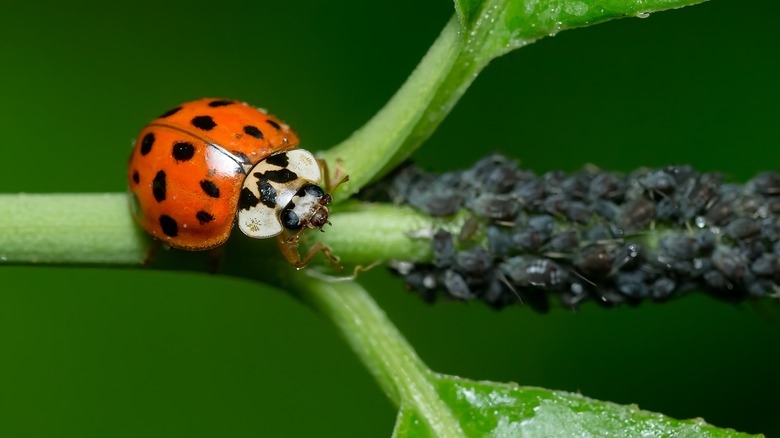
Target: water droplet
643,14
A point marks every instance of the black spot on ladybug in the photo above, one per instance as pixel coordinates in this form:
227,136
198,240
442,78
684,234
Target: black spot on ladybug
170,112
203,217
247,199
310,189
183,150
253,131
274,124
210,188
158,186
221,102
267,193
146,143
280,160
169,226
277,176
290,220
205,123
136,177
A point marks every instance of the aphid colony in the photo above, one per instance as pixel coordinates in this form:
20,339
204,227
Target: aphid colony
593,235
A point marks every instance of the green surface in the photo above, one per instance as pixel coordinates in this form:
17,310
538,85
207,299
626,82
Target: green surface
508,410
97,352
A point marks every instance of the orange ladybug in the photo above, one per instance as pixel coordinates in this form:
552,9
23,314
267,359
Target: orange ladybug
188,177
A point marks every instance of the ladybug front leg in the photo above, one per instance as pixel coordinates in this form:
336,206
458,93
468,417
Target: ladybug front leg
339,175
289,247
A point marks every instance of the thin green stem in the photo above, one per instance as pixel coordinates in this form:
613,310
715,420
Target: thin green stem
404,122
392,361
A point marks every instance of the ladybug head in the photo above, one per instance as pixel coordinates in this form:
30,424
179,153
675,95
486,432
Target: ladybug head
307,209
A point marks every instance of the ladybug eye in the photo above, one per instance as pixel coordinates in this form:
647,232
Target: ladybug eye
290,220
311,190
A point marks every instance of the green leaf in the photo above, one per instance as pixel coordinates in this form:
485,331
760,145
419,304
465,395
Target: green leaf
498,26
482,31
508,410
432,404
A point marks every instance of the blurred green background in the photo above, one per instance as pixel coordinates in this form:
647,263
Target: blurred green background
126,353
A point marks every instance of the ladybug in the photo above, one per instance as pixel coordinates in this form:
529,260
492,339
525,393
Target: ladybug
200,165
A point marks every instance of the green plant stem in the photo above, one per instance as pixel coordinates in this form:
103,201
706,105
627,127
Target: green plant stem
472,38
366,233
400,126
405,379
70,228
98,229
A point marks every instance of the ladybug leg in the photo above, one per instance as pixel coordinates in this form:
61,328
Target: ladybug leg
355,272
361,268
151,252
289,248
339,175
216,256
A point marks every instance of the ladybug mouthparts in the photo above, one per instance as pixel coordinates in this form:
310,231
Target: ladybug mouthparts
319,216
307,209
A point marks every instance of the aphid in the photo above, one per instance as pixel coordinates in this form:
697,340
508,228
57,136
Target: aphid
534,271
492,206
766,183
468,230
637,214
443,249
632,284
679,246
494,174
564,242
456,285
578,212
606,186
475,262
437,196
659,181
663,288
730,263
742,228
594,259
